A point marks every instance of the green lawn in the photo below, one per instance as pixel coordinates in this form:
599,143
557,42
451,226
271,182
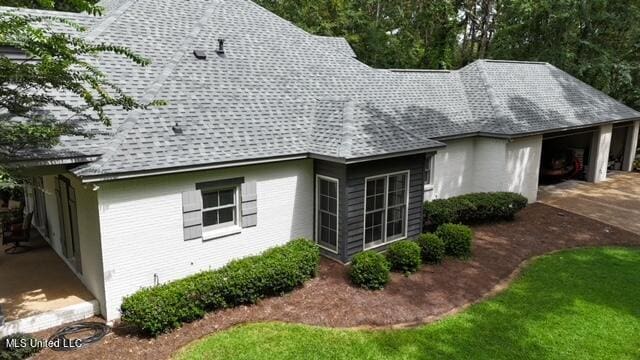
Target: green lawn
581,304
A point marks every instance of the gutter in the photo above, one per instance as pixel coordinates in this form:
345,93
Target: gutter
222,165
531,133
52,161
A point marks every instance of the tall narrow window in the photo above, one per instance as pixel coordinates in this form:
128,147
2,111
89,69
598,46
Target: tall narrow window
385,209
428,170
327,213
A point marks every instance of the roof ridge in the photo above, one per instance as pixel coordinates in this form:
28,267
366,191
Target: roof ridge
150,92
52,13
346,141
514,61
420,70
108,19
491,95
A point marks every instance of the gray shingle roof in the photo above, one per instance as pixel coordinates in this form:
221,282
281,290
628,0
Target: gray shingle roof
280,91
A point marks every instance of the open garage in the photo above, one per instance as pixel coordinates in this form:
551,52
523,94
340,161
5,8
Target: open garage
566,155
587,154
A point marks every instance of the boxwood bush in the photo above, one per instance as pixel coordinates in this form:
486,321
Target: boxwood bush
457,239
473,208
157,309
369,270
404,256
432,248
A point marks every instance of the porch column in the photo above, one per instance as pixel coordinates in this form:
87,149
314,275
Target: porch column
630,146
599,156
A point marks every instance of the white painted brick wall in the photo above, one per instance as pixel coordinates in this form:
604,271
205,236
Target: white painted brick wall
523,166
453,170
484,164
141,225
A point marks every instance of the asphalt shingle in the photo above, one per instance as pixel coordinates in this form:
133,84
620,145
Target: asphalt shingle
279,91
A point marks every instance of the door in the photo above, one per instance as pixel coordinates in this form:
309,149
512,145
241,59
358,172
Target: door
68,216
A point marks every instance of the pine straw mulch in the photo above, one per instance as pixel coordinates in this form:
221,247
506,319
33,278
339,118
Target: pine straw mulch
431,293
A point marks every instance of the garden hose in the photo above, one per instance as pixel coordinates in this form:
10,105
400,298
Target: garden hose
62,343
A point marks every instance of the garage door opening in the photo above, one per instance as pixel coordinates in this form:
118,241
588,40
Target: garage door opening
565,156
617,151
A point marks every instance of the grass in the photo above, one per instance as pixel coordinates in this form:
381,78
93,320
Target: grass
579,304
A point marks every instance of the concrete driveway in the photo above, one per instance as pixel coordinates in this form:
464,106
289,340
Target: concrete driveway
615,201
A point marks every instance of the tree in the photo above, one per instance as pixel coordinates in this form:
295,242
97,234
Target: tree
88,6
384,34
597,41
57,60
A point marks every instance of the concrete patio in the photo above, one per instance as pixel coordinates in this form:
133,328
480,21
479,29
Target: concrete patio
38,290
615,201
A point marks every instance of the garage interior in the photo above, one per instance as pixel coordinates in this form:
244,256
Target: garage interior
565,156
568,155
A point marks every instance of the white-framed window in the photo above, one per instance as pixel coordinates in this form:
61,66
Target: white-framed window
385,208
428,170
219,208
327,209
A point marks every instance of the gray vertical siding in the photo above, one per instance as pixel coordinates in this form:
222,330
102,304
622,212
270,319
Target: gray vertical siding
351,192
356,173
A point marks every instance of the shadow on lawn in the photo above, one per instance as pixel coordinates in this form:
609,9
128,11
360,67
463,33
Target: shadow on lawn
502,327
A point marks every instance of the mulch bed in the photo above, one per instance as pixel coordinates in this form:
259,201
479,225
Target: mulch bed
330,300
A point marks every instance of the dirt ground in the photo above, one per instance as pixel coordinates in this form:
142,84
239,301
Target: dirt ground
435,291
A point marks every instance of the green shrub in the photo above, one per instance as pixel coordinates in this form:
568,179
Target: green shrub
369,270
473,208
404,256
457,239
432,248
157,309
27,346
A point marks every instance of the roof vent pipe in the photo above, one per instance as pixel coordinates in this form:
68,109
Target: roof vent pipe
176,128
220,50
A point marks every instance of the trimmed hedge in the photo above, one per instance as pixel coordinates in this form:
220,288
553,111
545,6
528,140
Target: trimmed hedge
7,352
369,270
158,309
474,208
432,248
457,239
404,256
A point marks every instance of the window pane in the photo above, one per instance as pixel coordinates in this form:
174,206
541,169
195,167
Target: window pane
333,206
395,221
380,186
210,217
379,202
377,233
210,199
370,203
324,203
333,238
332,189
324,235
226,197
225,215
